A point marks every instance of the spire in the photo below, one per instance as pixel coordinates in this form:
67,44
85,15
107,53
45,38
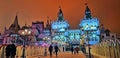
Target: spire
87,12
47,20
60,14
15,26
16,20
48,25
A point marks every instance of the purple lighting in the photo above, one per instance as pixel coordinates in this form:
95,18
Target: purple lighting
44,44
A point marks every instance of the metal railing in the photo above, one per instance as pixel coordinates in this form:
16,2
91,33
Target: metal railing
30,51
109,48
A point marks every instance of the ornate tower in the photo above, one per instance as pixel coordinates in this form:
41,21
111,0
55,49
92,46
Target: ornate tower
89,27
59,28
15,26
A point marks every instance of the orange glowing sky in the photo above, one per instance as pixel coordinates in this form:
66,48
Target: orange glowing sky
108,11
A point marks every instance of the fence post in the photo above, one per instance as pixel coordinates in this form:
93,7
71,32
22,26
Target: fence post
118,50
3,50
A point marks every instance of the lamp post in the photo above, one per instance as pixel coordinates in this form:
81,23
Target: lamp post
89,52
25,33
45,45
88,30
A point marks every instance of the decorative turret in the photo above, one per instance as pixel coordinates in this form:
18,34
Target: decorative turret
5,30
60,14
102,29
25,27
48,25
87,12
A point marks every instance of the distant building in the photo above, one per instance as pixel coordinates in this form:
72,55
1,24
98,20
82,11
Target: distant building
108,35
39,26
11,34
38,30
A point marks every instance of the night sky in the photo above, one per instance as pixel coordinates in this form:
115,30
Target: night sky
107,11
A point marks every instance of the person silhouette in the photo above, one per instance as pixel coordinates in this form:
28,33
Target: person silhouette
8,50
50,50
72,49
56,50
11,51
63,49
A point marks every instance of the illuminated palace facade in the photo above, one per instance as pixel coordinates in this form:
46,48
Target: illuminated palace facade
57,31
88,30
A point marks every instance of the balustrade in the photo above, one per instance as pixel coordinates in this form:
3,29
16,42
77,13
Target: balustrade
107,49
30,51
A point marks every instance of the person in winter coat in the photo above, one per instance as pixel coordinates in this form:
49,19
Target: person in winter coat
72,49
10,51
50,50
56,50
